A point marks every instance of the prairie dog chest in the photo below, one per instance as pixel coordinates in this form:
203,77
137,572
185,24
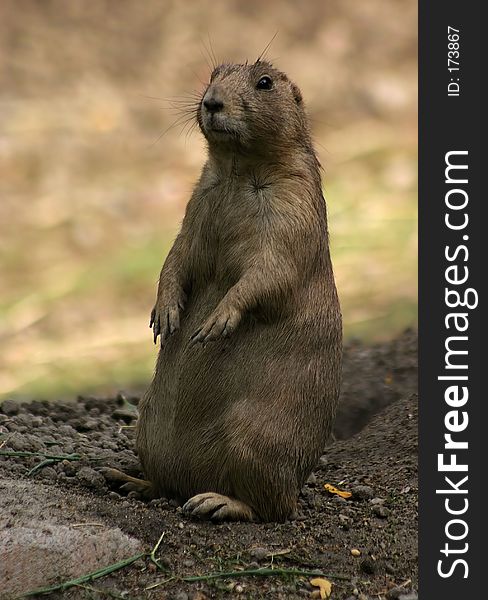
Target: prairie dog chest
240,220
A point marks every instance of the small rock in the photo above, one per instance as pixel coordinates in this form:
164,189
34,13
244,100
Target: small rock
338,500
355,552
181,596
238,589
362,492
259,554
312,480
90,478
9,408
368,565
188,563
381,511
69,467
377,501
48,473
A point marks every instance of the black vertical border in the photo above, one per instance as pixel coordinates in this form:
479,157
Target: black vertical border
445,124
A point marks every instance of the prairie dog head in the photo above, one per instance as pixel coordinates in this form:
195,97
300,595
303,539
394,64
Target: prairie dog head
251,106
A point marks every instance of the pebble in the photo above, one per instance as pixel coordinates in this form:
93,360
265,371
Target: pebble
381,511
368,566
180,596
323,461
69,467
312,480
377,501
362,492
90,478
9,408
355,552
259,554
48,473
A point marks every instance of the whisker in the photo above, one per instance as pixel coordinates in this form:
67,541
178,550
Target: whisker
206,56
182,120
214,57
263,53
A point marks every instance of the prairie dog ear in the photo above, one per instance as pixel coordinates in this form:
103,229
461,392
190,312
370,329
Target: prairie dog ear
297,94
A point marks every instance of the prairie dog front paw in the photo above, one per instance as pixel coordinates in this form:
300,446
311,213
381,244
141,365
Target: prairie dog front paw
221,323
165,316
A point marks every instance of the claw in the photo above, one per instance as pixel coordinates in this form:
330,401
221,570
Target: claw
156,330
194,339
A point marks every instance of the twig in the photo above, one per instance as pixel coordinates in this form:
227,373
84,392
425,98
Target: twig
4,441
152,556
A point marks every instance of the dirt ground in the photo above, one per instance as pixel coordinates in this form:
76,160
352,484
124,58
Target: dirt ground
64,517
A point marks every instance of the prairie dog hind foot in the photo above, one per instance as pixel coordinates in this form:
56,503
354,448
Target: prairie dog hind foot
217,507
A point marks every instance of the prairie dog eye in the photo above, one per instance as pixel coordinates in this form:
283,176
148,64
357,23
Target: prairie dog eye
265,83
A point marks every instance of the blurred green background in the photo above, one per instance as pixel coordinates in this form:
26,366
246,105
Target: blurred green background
91,196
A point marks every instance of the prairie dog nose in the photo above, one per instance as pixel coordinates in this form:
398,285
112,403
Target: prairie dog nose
213,104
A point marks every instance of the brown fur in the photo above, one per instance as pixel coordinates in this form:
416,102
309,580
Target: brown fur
247,379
